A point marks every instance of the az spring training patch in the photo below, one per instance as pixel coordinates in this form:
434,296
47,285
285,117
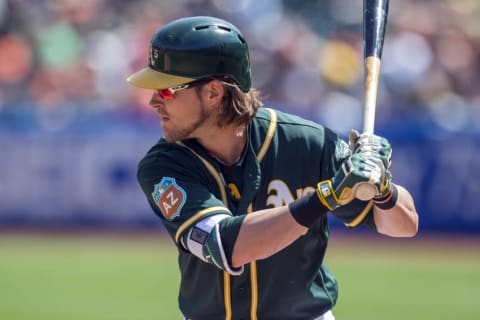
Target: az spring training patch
169,197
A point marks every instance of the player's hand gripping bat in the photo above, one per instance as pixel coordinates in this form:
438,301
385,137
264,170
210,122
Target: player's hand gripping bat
374,24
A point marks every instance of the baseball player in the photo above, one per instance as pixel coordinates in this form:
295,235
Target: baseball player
245,191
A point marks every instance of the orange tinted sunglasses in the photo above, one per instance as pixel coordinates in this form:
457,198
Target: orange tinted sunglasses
169,93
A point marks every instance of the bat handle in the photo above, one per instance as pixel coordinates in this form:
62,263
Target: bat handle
366,191
372,75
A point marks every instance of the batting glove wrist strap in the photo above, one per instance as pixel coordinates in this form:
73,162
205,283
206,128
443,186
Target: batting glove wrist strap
389,201
307,210
354,172
327,196
385,189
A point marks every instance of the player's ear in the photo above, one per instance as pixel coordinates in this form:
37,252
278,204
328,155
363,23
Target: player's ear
213,92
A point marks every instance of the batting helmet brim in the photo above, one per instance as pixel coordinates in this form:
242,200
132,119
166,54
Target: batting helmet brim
148,78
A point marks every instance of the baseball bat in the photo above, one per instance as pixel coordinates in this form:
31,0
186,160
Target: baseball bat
374,24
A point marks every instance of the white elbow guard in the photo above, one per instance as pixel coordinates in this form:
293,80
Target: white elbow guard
203,240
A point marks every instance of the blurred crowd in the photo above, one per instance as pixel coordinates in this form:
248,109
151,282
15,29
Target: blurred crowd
306,55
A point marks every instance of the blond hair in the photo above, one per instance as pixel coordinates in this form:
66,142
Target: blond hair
237,106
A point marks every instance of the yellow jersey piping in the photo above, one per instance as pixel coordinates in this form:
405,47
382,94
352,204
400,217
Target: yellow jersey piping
253,265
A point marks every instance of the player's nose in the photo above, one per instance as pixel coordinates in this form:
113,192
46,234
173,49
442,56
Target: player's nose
156,102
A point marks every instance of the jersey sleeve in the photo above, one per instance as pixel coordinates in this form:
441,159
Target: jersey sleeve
184,199
357,212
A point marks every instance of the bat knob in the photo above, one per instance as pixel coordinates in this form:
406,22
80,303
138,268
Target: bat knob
365,192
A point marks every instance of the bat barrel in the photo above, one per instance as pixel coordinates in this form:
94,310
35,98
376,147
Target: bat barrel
374,24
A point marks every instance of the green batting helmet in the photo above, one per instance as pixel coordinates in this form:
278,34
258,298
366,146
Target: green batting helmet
191,48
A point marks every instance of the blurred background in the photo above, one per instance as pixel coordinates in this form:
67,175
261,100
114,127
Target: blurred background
72,131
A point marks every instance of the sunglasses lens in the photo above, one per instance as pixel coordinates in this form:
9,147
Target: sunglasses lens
165,94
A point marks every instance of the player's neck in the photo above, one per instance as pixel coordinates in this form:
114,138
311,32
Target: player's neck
226,144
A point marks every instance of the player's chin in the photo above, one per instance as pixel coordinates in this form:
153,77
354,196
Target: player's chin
172,136
168,137
166,125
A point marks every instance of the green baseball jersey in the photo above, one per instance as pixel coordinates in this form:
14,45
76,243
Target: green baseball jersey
202,204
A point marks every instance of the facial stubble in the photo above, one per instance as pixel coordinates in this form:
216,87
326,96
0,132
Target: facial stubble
188,131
